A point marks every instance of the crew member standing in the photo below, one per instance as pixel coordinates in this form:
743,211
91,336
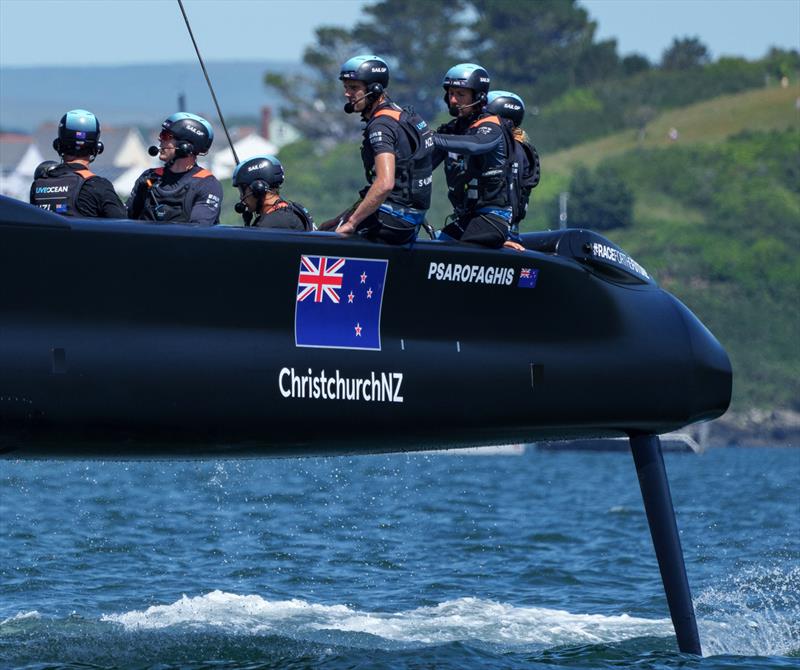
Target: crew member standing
259,182
397,153
70,188
475,148
181,191
526,170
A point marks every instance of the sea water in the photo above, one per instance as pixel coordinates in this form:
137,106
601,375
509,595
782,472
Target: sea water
539,560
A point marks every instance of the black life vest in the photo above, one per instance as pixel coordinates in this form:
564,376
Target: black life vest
59,194
474,182
173,202
525,172
295,208
413,174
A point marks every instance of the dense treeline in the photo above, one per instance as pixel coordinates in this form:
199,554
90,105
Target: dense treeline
575,86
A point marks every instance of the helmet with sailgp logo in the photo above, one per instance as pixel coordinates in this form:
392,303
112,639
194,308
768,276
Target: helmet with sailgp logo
372,70
193,134
506,105
78,134
468,75
261,173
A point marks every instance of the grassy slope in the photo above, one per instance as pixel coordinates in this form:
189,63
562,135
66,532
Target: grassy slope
759,328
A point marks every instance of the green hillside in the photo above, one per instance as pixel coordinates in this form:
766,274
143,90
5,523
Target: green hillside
712,121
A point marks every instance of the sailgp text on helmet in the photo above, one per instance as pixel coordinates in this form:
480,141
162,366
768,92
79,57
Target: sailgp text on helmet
467,75
78,134
261,174
193,134
506,105
371,70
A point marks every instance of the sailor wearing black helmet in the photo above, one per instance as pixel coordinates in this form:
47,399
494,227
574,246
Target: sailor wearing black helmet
397,154
259,182
475,148
70,188
181,191
526,171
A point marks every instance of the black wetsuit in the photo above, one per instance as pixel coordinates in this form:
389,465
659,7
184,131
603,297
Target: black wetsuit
406,135
284,214
475,151
72,189
162,196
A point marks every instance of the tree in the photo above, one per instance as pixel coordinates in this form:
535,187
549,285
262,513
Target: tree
420,40
685,54
634,63
599,200
316,100
533,46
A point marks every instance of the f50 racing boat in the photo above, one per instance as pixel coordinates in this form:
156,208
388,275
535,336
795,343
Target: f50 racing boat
122,340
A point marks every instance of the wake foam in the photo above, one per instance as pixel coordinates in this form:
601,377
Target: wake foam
755,613
455,620
21,616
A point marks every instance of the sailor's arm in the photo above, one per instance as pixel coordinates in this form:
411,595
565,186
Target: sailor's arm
379,190
205,210
486,140
135,201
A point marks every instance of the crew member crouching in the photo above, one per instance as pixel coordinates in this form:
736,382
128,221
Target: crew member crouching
475,148
181,191
259,181
526,170
70,188
397,155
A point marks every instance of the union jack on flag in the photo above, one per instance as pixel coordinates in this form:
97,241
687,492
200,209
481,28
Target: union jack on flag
321,279
338,302
527,278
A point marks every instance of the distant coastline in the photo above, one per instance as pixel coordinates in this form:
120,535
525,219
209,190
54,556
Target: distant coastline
756,428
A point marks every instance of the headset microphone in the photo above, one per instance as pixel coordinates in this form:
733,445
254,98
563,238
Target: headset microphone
153,150
350,107
239,208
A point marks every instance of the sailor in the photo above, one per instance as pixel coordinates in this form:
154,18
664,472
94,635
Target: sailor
526,170
70,187
397,154
259,182
475,148
181,191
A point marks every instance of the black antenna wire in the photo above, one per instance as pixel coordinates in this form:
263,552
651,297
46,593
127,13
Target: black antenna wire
208,81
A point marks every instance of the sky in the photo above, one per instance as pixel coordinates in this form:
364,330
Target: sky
112,32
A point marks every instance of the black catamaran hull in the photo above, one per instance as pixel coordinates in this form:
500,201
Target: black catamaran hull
122,339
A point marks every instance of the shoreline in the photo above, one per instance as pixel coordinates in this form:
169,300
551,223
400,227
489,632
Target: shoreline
752,428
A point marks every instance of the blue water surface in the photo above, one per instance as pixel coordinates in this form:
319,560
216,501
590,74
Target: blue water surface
540,560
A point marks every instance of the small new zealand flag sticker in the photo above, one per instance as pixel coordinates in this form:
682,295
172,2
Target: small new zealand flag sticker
527,278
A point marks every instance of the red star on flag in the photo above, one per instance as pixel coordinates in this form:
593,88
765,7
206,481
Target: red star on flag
369,293
350,297
363,277
358,330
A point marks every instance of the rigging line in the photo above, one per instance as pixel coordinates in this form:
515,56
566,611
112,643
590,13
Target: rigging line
208,81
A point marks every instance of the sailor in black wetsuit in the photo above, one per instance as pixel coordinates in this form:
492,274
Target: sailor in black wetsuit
526,169
259,181
475,148
397,154
70,188
181,191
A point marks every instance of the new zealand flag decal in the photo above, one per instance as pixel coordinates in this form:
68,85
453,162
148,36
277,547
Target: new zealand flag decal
527,278
339,301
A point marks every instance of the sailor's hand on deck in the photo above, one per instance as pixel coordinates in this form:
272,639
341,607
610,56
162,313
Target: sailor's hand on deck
346,228
510,244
